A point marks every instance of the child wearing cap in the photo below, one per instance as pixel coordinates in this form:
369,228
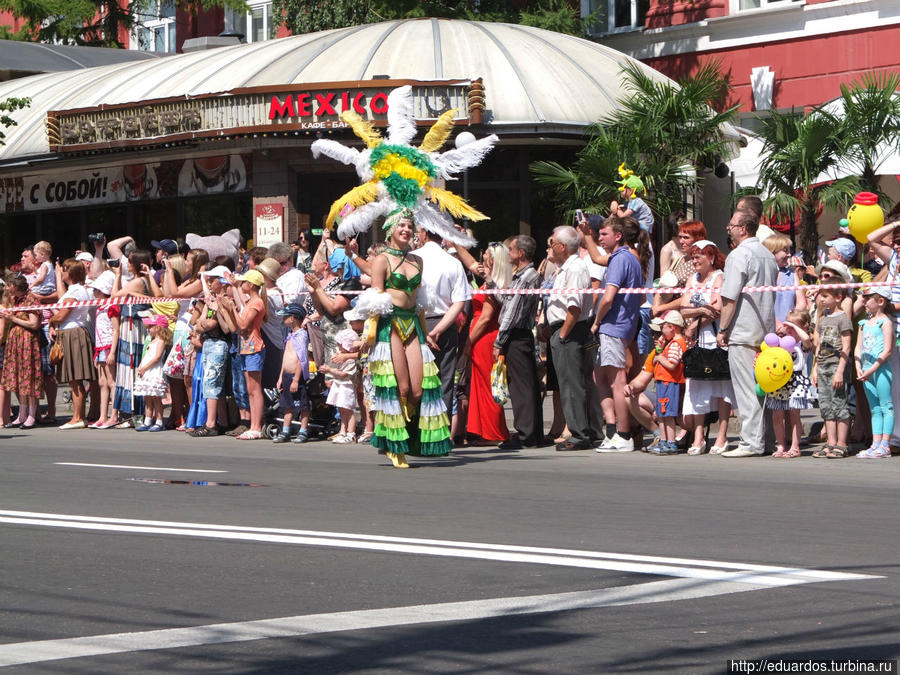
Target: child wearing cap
874,345
342,393
106,338
151,381
252,311
294,374
832,343
668,371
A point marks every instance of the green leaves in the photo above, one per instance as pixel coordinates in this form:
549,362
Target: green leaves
665,133
7,106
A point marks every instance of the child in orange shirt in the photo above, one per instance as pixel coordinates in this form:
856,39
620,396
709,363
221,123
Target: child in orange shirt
668,371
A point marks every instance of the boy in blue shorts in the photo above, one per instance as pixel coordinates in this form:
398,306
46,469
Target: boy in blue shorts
294,374
668,371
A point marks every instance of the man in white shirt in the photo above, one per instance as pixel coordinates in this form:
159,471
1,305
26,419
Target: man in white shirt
290,280
568,317
444,291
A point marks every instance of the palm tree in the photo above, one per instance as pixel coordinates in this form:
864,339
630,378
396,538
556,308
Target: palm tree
663,131
797,151
870,125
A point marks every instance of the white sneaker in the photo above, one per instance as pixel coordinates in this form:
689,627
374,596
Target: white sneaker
740,451
616,444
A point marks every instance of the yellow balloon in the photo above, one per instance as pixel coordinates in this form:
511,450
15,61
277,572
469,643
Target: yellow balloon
763,346
773,369
865,216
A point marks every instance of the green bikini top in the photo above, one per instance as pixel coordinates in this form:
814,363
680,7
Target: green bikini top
400,282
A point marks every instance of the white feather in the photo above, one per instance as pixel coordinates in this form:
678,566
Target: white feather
361,219
401,122
374,302
335,150
441,224
363,170
453,161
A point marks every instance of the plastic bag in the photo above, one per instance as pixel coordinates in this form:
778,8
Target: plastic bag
499,386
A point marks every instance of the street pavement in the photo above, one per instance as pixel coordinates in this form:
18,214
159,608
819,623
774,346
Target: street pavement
322,558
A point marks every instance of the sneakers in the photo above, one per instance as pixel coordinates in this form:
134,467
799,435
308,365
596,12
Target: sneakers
344,439
655,444
615,444
741,451
666,448
301,437
155,427
282,438
875,452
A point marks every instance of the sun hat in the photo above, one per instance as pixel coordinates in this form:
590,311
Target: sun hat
346,338
840,269
270,268
155,320
103,283
673,316
252,277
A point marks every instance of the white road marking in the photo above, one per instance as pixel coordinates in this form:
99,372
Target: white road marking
95,645
764,575
148,468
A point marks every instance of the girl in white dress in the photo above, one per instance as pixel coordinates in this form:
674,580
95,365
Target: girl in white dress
151,381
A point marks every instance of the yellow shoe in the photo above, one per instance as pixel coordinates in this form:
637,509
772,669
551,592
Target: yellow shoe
394,459
401,461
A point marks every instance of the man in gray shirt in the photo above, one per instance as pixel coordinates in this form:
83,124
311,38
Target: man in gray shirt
744,322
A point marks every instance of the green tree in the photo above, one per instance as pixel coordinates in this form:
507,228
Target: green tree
306,16
666,133
870,125
797,152
96,23
7,106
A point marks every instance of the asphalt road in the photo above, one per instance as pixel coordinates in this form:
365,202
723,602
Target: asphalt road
485,561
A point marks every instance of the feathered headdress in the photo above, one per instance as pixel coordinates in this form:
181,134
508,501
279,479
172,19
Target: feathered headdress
397,175
629,180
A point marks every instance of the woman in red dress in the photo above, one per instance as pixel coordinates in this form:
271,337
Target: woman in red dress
487,420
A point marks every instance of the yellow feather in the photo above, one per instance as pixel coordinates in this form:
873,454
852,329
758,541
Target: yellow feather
361,194
362,128
438,133
455,204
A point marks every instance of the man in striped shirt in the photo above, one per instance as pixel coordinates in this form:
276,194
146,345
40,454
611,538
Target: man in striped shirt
515,341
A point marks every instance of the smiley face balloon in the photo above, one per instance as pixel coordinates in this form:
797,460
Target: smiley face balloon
774,366
864,216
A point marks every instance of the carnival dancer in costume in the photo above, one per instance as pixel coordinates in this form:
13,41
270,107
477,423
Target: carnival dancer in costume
400,184
410,415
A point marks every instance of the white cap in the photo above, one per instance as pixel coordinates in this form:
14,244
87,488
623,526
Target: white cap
673,316
84,256
217,271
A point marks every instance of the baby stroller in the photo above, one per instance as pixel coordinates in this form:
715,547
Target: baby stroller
322,420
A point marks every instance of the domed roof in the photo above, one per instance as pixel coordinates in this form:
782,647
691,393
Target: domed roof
532,77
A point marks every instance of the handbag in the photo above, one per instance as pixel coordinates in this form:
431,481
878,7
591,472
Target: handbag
56,353
499,386
706,364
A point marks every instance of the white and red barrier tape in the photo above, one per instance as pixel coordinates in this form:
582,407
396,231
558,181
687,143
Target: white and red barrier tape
143,300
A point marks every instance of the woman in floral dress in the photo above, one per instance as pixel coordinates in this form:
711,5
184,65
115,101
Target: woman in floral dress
22,363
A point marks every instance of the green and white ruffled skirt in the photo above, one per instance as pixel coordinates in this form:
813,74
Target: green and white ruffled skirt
428,434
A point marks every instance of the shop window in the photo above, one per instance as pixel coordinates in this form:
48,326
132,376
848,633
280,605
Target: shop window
749,5
255,25
616,15
156,32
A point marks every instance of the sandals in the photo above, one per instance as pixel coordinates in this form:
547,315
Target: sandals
697,449
837,452
822,452
250,435
779,450
792,453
